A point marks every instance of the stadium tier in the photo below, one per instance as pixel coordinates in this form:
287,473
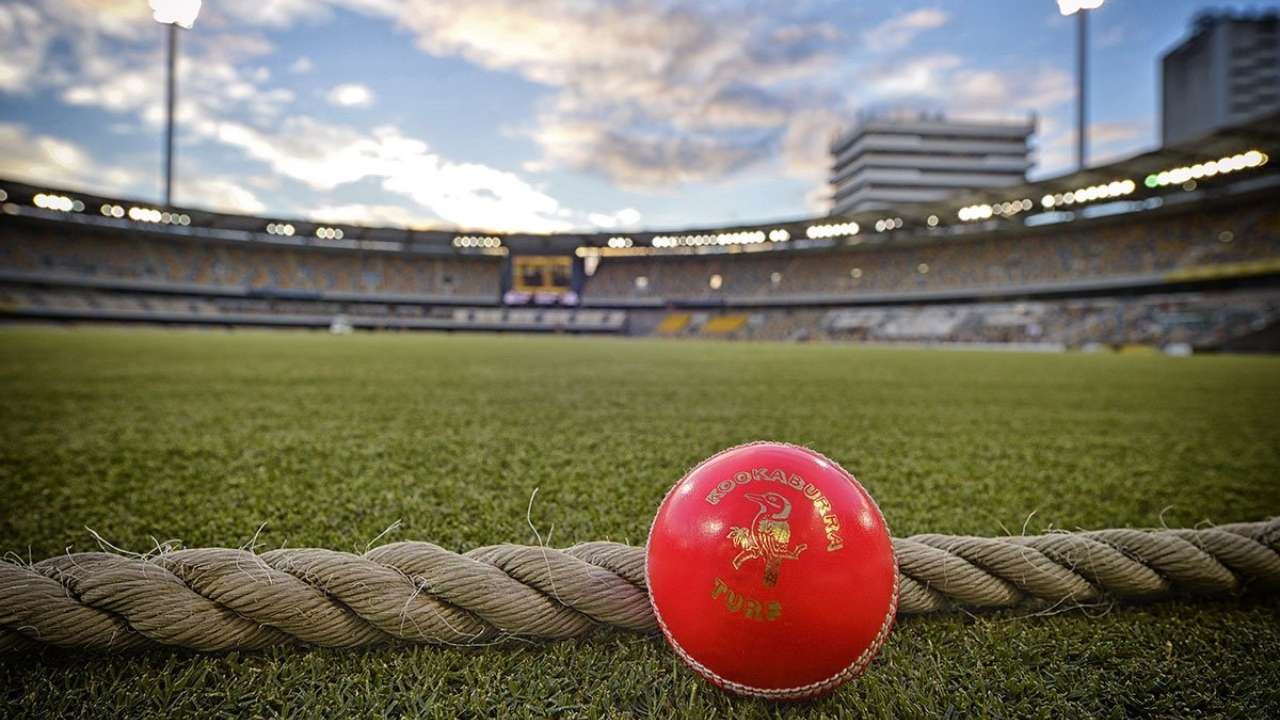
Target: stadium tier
1117,251
1145,251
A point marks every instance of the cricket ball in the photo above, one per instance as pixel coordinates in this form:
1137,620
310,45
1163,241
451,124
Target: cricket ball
771,572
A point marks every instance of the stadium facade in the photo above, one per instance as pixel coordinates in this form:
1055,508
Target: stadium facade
1175,247
1225,73
886,161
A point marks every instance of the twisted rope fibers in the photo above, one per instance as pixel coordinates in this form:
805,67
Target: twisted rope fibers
218,599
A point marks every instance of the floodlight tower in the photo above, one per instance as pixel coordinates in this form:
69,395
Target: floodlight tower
175,14
1081,8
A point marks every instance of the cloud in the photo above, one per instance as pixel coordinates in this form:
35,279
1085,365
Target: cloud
217,193
1108,141
25,41
268,13
647,94
372,216
921,77
818,200
638,158
625,218
806,142
944,81
350,95
324,157
302,66
45,159
898,32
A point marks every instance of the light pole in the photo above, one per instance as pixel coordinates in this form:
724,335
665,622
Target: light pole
1081,8
174,14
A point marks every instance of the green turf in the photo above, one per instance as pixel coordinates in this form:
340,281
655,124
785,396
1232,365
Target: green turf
147,435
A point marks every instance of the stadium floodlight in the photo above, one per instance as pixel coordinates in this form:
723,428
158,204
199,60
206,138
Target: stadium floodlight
1071,7
1081,8
174,14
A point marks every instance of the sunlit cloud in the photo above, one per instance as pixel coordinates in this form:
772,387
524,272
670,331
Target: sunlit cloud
646,94
900,31
219,193
372,216
350,95
40,158
622,219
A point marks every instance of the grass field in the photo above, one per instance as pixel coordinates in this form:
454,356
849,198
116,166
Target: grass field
146,435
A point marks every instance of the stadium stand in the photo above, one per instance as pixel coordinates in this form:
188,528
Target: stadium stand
69,304
82,253
1159,249
1204,321
673,324
1183,242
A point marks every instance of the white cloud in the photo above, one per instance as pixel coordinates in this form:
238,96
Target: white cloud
350,95
1108,141
324,157
43,159
24,40
898,32
625,218
302,66
371,216
945,81
805,145
647,94
924,76
818,199
269,13
217,193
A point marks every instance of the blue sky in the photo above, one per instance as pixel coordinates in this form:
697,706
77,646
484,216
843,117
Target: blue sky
543,116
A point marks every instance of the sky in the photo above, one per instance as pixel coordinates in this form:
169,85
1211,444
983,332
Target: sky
544,115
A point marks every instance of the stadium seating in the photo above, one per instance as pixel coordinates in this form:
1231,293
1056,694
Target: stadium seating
224,265
724,324
673,324
68,271
1131,247
1201,320
124,306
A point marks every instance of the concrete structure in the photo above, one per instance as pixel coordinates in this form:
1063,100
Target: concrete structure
1226,73
890,160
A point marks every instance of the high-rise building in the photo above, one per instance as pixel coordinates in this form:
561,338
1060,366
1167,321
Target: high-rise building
889,160
1226,73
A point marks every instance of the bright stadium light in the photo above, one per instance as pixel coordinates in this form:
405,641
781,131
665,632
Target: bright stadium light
1224,166
1081,9
1071,7
175,14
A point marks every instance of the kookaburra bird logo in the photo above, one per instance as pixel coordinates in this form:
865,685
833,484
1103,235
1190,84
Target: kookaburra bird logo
768,537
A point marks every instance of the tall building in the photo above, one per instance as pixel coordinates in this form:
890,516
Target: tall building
888,160
1226,73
